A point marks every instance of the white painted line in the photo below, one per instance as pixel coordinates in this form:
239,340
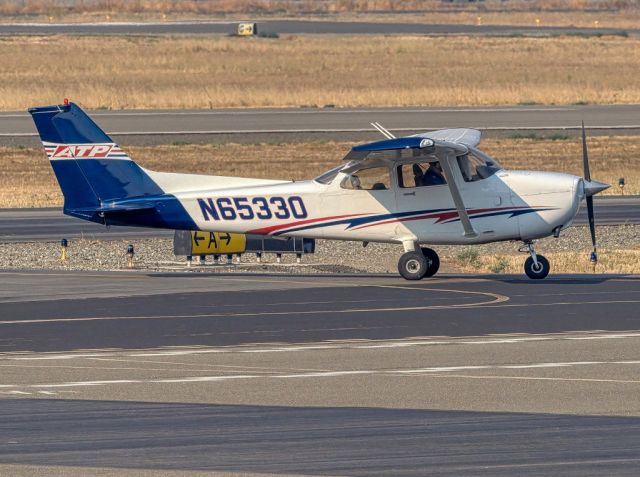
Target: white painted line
435,371
203,379
349,345
81,383
326,374
65,356
439,369
465,470
528,378
218,132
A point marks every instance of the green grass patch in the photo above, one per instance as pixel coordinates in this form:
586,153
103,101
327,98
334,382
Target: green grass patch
469,258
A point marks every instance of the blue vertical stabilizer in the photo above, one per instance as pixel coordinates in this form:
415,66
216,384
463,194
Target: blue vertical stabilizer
97,177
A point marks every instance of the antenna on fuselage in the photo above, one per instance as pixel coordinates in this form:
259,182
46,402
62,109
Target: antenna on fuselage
382,130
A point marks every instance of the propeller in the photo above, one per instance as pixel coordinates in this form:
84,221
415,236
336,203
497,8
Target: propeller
590,189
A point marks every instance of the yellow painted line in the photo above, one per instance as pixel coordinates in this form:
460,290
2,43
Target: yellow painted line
560,303
487,304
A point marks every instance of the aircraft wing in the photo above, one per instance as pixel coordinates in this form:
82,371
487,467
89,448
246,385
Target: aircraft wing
468,137
403,149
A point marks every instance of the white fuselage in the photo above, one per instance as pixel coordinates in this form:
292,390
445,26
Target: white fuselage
509,205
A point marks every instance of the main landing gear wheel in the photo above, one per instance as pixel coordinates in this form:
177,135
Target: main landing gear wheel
539,271
412,265
433,262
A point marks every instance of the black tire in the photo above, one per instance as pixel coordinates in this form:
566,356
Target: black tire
537,274
412,265
433,261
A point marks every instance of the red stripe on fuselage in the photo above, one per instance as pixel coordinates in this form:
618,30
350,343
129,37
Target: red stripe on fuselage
275,228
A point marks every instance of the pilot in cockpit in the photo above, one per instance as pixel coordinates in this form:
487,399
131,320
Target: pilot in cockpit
434,176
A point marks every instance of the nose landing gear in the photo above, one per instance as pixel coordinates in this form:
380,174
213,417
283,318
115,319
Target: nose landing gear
418,263
536,266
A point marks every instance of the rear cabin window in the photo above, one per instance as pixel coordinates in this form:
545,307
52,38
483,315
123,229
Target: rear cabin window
420,174
375,178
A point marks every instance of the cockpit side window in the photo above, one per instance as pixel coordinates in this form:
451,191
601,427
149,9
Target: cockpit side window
420,174
374,178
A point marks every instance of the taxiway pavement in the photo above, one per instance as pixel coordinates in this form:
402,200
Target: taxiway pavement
333,375
307,124
50,224
297,27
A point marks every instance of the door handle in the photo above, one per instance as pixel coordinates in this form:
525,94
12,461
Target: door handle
409,193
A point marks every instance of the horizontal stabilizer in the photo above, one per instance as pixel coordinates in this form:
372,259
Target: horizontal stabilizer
117,208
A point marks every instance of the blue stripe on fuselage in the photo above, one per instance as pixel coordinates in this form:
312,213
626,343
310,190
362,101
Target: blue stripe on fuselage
355,222
513,213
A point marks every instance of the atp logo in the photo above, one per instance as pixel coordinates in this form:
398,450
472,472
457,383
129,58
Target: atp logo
79,151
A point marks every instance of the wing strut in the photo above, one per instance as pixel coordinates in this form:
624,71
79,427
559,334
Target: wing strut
457,198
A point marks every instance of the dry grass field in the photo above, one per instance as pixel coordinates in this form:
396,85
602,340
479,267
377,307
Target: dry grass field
609,261
35,7
164,72
26,179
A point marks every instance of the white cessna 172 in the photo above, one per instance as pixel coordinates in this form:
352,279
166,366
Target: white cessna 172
428,189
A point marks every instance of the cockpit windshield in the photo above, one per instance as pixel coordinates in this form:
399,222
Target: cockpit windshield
475,165
327,177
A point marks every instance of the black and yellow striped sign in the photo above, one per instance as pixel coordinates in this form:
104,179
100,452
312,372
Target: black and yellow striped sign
217,242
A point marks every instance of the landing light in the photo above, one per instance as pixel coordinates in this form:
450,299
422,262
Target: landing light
426,143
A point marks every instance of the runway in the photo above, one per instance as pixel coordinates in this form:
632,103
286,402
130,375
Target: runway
151,127
326,375
50,224
296,27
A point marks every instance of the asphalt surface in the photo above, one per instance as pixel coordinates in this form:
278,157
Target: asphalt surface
27,225
50,224
143,374
305,124
296,27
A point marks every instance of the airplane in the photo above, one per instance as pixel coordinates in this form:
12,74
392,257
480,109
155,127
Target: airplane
417,191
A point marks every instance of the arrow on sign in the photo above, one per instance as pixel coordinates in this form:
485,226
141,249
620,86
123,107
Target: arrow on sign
226,237
197,239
